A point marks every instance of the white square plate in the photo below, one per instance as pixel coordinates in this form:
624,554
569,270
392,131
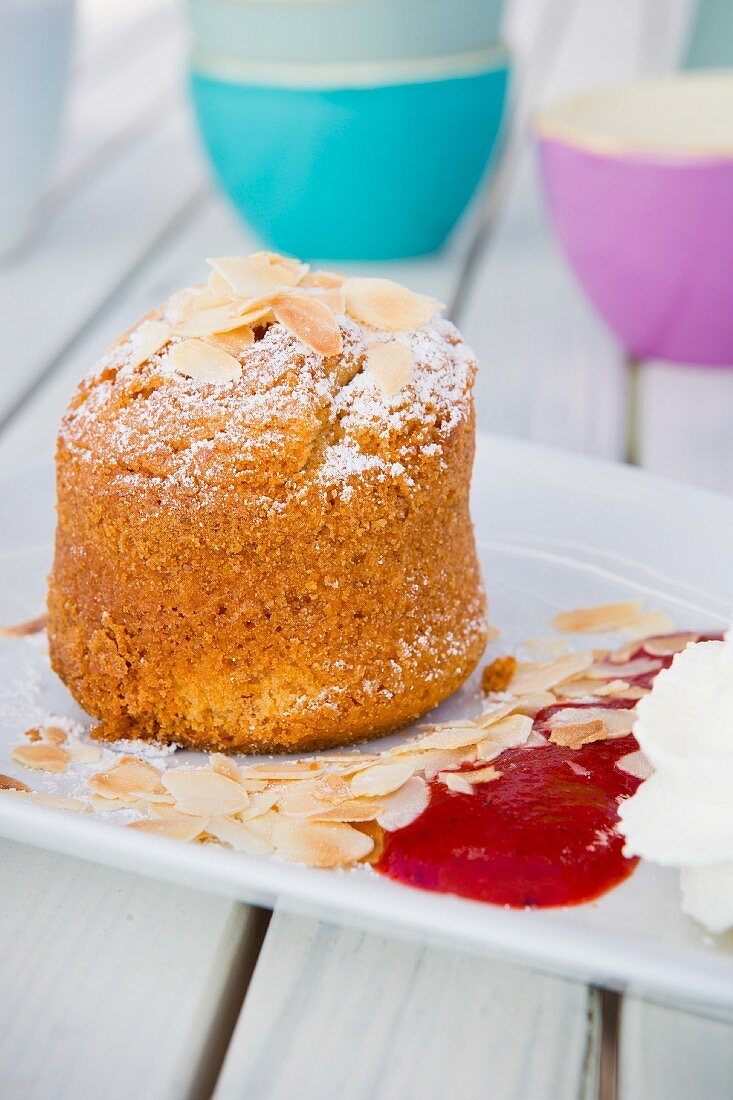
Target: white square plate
554,531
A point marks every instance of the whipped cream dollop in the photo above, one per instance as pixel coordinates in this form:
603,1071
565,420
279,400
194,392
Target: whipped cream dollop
682,815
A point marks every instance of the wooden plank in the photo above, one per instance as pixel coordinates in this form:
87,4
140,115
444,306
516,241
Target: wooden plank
108,101
336,1012
686,423
91,246
114,985
673,1054
550,372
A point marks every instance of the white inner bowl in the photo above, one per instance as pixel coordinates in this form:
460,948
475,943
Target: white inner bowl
685,114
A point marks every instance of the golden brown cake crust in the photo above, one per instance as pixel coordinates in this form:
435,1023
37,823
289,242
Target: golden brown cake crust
284,561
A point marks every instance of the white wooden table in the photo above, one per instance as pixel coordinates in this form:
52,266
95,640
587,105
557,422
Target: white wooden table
117,986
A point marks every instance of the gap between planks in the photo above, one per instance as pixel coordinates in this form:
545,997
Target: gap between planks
332,1011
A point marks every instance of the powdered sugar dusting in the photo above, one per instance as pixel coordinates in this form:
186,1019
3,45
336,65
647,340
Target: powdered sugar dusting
298,414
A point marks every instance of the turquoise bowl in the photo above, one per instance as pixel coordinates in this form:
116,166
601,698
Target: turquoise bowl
370,171
315,31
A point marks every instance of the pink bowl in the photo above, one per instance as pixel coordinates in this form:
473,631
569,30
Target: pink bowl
640,187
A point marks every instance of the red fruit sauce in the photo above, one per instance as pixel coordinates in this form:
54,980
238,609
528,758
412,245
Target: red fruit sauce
542,834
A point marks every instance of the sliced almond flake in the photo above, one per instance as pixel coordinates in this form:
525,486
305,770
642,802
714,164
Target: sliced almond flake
635,763
334,298
204,791
208,322
211,300
405,805
160,809
300,798
669,645
182,300
534,702
546,649
624,653
216,284
383,304
494,715
125,779
357,809
510,731
311,321
541,677
598,619
111,805
456,723
636,692
324,279
481,775
456,781
7,783
251,276
259,804
22,630
574,735
489,749
320,843
52,735
81,752
256,312
173,828
295,769
391,365
41,756
652,622
147,340
617,722
641,666
613,687
450,737
525,704
264,825
61,802
234,342
203,363
340,762
332,788
224,765
381,779
153,798
52,801
240,836
376,834
432,761
577,689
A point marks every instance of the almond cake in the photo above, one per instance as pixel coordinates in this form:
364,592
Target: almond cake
263,538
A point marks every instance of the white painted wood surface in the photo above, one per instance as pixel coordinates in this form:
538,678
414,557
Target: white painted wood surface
358,1016
112,985
115,985
672,1054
